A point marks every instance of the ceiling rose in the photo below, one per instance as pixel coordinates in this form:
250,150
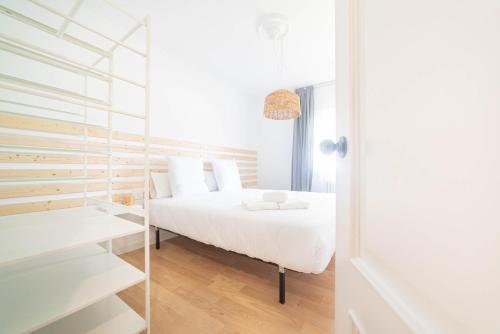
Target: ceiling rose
274,25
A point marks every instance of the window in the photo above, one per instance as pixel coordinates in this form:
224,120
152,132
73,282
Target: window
324,171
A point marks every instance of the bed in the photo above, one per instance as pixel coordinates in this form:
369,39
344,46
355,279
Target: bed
299,240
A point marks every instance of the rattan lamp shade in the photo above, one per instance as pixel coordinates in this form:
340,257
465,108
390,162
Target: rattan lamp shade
282,104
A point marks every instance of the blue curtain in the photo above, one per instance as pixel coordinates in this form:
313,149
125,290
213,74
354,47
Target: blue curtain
303,139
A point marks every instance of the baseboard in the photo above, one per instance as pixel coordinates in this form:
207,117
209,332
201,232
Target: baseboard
356,326
391,297
419,313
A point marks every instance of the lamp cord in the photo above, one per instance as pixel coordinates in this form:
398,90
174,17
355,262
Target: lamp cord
278,46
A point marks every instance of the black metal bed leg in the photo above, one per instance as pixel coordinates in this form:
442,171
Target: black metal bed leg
282,284
157,233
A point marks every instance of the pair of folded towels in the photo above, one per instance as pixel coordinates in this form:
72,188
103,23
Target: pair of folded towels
275,200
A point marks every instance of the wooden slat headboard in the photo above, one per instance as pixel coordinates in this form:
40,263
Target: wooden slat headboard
37,152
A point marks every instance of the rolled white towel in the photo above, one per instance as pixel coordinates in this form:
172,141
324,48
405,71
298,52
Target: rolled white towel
275,196
293,205
260,205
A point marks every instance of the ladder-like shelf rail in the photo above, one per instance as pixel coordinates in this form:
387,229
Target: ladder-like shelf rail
50,89
34,52
75,102
84,26
54,32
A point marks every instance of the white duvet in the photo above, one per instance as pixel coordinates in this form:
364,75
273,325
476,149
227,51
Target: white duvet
301,240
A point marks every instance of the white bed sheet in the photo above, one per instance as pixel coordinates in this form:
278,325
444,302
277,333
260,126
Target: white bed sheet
301,240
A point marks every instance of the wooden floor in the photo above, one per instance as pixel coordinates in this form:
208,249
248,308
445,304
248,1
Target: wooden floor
196,288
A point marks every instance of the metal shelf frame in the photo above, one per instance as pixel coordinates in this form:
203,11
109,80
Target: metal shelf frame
48,57
25,49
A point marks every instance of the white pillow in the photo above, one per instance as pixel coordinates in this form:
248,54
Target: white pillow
210,181
160,186
227,174
186,176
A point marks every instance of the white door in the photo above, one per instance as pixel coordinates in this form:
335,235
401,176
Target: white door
418,97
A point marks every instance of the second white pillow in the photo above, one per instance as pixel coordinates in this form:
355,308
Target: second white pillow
186,176
210,181
160,187
227,174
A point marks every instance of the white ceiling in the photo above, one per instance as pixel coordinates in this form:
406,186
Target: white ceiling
219,36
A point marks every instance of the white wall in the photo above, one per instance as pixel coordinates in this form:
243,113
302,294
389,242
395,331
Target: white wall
188,103
324,96
275,154
274,144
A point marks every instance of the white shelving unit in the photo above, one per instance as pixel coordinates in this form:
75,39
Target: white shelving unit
40,291
44,233
55,275
110,315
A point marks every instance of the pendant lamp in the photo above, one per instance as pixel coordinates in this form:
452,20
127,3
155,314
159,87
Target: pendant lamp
281,104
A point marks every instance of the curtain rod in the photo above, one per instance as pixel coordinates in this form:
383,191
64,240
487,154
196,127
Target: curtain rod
320,84
324,84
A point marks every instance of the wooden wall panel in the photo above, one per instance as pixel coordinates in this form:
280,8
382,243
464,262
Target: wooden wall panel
48,189
248,177
128,172
48,158
178,144
128,185
16,174
44,141
49,143
125,136
49,173
48,125
13,209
